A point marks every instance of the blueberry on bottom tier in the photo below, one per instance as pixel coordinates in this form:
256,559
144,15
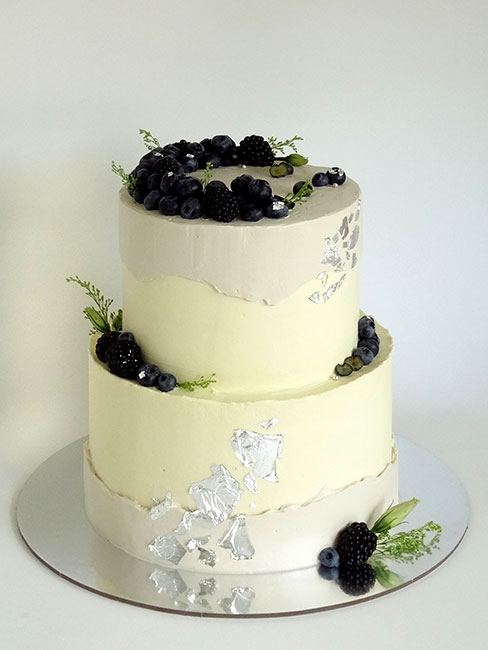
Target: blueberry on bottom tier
365,354
166,382
148,374
191,208
169,205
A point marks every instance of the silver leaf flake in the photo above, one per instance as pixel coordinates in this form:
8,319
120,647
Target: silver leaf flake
330,256
195,599
333,288
207,557
336,237
240,602
354,260
167,547
315,297
191,517
160,509
216,496
267,424
351,217
252,505
321,275
236,539
168,582
250,482
353,240
197,542
344,228
207,586
258,452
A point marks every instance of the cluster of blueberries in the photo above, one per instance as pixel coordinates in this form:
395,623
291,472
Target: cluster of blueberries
367,348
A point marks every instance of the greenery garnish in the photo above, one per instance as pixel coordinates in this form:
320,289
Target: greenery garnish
385,576
408,546
198,383
99,315
207,175
149,140
393,516
279,146
302,194
127,179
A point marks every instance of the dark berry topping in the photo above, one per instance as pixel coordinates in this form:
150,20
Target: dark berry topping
169,205
148,374
231,157
167,164
124,359
166,382
187,186
167,182
213,184
255,150
366,327
221,205
372,344
329,557
154,181
171,150
298,186
126,336
336,176
276,208
320,179
259,191
364,353
356,579
328,572
139,194
195,148
151,201
221,143
210,157
104,343
240,185
190,163
191,208
355,543
252,213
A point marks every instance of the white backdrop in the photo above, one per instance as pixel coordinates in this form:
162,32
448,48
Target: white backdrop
394,92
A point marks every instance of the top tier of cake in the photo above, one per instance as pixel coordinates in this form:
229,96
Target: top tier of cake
268,307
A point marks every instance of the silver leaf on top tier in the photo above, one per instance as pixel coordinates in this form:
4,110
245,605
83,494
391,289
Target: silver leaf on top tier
207,556
167,547
236,539
168,582
250,482
327,295
161,508
240,602
267,424
197,542
259,452
216,496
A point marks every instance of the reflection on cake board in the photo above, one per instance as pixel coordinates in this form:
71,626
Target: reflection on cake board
53,524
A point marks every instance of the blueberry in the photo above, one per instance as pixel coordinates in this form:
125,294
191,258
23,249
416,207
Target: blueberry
149,157
169,205
365,354
366,327
209,157
328,572
151,202
220,143
154,181
289,167
371,343
320,179
191,208
215,184
187,186
190,163
142,175
276,208
329,557
139,194
240,185
298,186
167,182
148,374
195,148
171,150
206,143
336,176
252,213
231,157
166,382
260,191
126,336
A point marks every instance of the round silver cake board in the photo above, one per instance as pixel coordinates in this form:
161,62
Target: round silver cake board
52,522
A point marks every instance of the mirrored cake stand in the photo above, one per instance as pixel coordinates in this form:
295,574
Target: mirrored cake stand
53,524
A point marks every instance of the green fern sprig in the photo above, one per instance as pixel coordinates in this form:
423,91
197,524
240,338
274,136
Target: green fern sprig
149,140
302,194
207,175
279,146
99,316
128,180
202,382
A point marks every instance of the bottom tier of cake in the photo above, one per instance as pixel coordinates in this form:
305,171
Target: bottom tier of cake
277,540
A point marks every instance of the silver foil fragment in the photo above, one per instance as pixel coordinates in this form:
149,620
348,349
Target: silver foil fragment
207,586
250,482
207,556
196,542
236,539
344,228
315,297
168,582
240,602
330,256
167,547
266,424
354,260
195,599
216,496
353,240
333,288
258,452
161,508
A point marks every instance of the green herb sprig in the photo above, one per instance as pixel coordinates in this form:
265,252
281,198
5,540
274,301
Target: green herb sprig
202,382
207,175
127,179
279,146
303,193
384,575
149,140
99,316
409,545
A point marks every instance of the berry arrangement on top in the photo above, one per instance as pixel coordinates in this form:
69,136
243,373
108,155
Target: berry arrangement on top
162,181
358,556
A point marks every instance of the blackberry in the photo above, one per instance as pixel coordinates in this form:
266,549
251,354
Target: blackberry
124,359
104,344
355,543
255,150
221,204
165,164
356,579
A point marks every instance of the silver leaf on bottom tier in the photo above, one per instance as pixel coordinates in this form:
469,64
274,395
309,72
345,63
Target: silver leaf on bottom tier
161,508
258,452
207,586
197,542
168,582
207,556
327,295
240,602
250,482
167,547
216,496
236,539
